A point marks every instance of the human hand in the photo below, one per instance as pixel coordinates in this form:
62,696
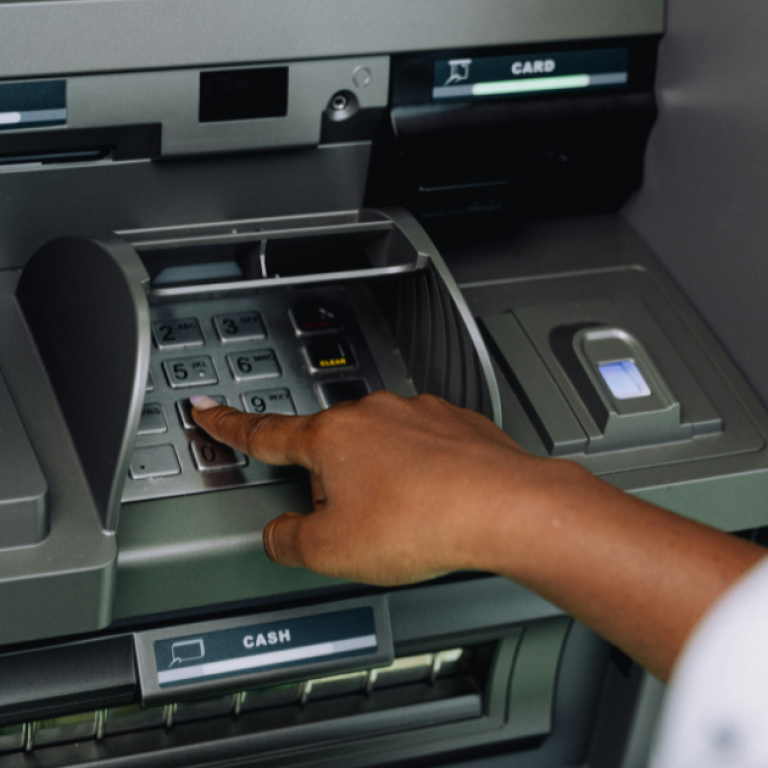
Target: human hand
403,489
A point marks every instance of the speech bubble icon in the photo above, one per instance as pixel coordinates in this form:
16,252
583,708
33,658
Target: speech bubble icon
187,650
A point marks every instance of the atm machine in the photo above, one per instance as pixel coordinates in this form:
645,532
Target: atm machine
288,205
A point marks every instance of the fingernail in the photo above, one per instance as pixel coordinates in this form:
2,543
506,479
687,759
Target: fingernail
203,403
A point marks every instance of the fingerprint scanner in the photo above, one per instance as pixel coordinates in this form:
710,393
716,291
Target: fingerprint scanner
624,380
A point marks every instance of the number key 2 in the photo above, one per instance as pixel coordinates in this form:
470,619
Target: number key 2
176,334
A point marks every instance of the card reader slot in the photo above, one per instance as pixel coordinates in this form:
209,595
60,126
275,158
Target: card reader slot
57,156
128,142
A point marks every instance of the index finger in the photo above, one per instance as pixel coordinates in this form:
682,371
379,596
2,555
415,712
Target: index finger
270,438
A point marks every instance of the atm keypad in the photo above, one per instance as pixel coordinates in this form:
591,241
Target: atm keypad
178,334
254,364
211,456
289,353
269,401
190,372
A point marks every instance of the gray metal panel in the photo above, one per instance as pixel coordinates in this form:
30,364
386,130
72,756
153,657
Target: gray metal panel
23,490
555,415
41,38
69,577
48,201
172,98
702,208
187,552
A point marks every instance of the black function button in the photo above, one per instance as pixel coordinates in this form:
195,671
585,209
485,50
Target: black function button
333,392
327,356
313,317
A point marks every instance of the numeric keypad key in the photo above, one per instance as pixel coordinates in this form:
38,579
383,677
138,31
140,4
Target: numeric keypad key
178,334
244,326
256,364
210,456
269,401
190,372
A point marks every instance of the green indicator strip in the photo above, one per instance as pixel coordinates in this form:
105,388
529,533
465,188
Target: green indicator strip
531,84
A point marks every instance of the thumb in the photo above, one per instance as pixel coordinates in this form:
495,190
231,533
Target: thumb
281,540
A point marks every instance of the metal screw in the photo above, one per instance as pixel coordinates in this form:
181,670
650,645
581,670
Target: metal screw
339,102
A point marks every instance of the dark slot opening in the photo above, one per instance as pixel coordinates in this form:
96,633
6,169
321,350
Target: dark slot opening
318,255
202,264
62,156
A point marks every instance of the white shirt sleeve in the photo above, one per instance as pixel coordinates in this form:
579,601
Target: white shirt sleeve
716,712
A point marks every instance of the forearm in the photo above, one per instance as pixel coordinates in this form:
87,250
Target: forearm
640,576
405,490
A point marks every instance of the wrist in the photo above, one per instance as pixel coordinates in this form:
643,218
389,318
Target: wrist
526,515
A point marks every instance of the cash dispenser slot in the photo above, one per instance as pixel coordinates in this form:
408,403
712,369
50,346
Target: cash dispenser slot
105,699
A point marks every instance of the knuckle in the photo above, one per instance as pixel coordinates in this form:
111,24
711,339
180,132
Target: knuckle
253,428
223,421
318,426
382,396
430,401
305,547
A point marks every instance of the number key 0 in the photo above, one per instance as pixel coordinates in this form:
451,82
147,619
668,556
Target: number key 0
211,456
